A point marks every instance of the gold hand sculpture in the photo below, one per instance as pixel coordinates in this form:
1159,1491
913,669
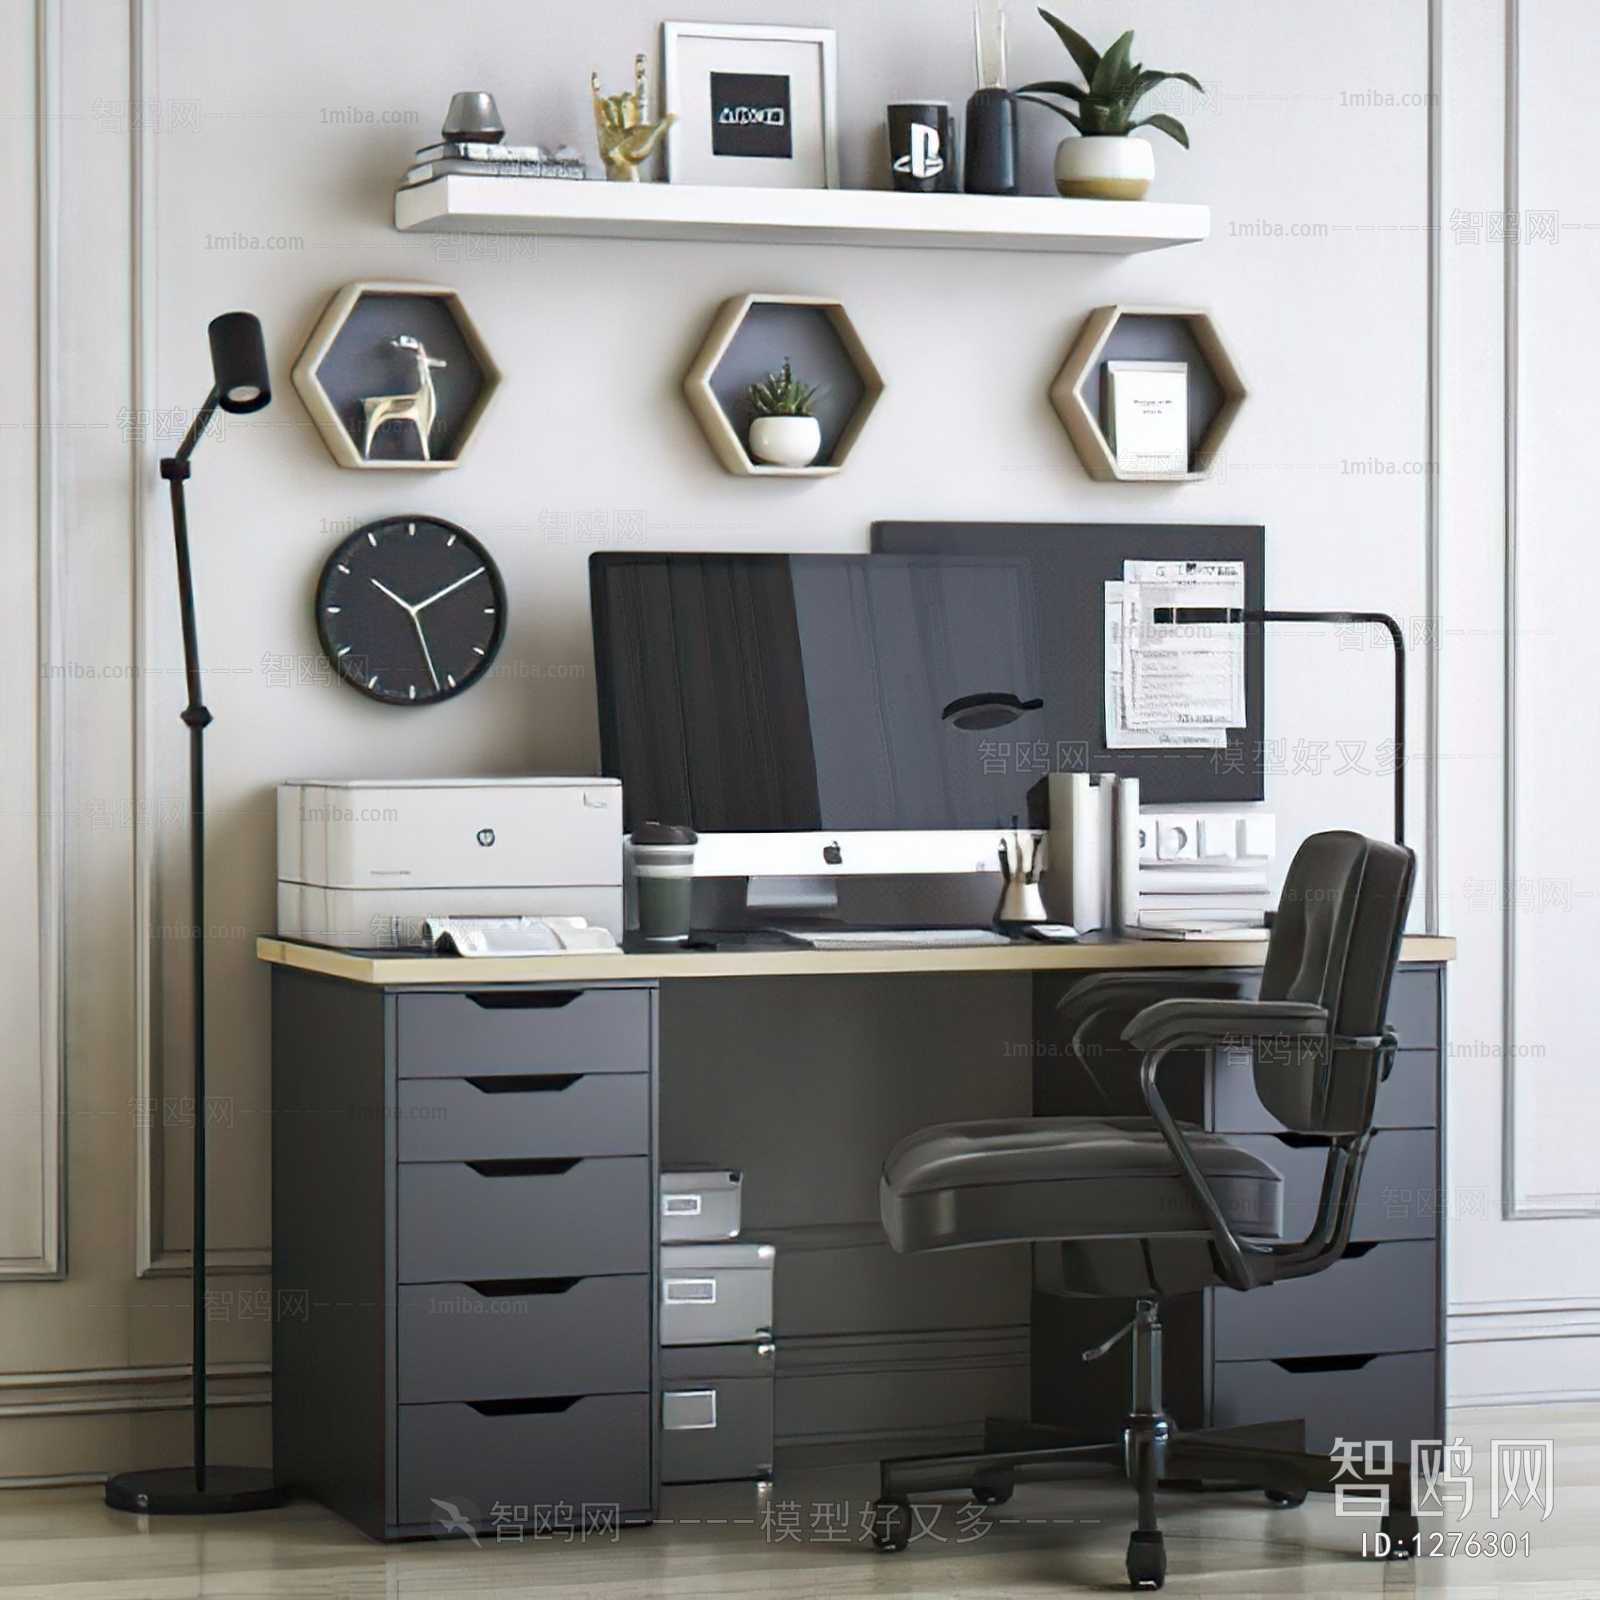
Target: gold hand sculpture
627,137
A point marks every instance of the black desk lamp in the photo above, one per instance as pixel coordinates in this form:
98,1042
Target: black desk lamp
239,364
1196,615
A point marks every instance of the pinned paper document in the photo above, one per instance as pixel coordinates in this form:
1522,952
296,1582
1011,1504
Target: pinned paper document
1173,684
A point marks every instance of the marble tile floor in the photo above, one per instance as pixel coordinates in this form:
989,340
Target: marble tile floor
802,1541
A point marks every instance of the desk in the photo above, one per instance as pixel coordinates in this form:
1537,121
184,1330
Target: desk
415,1207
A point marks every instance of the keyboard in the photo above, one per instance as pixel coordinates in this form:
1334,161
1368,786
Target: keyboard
899,938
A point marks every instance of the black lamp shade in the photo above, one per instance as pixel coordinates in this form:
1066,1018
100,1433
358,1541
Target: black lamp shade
239,361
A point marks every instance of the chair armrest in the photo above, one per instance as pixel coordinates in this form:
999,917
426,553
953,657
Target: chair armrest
1172,1022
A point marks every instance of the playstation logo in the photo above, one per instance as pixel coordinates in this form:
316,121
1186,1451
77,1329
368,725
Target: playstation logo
486,837
925,158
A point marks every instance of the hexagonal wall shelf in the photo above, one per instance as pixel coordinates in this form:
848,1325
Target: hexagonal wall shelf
396,377
1148,333
752,335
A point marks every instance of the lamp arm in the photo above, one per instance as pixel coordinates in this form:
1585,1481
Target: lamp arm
1200,615
202,421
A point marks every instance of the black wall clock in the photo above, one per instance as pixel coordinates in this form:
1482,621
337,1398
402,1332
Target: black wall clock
411,610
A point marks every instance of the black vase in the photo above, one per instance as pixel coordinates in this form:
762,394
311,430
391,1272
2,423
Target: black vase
991,164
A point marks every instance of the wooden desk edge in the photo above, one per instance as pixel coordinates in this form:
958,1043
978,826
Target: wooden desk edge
401,971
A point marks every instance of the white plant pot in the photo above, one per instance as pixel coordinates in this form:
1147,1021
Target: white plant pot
786,441
1104,167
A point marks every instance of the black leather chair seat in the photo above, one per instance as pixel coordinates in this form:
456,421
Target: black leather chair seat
1065,1178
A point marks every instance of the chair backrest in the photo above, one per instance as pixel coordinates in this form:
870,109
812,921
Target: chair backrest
1335,943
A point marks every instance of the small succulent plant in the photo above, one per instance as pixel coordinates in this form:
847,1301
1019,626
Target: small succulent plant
781,394
1113,85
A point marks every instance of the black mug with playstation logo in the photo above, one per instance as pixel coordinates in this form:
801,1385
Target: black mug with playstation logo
922,152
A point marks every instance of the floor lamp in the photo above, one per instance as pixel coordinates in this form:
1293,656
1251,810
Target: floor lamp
242,384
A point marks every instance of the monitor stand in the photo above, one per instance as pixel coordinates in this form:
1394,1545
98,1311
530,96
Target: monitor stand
810,896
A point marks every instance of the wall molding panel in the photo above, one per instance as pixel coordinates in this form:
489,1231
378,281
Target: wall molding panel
32,1077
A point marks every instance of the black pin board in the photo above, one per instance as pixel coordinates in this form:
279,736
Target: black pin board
1072,562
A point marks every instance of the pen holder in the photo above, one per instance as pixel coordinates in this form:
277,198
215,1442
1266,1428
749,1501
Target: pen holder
1020,900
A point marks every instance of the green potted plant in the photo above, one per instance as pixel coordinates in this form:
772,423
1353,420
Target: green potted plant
1103,162
783,432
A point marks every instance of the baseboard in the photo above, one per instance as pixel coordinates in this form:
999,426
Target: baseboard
92,1391
1523,1352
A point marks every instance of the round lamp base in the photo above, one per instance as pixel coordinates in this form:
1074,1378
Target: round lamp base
171,1491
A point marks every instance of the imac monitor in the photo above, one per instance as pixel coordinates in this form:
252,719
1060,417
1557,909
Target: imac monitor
820,714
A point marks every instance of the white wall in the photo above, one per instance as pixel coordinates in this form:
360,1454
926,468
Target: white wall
1312,151
1519,339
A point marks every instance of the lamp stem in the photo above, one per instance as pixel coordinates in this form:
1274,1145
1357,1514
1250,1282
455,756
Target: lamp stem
175,469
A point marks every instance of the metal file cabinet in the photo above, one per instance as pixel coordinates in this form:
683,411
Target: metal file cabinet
465,1232
1356,1350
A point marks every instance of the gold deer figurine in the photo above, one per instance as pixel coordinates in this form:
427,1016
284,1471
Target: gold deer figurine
418,408
627,136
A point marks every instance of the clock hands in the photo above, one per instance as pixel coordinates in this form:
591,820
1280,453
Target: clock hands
413,611
416,622
391,594
448,589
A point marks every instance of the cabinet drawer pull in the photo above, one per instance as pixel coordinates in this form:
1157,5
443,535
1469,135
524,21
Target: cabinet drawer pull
1323,1363
525,1167
526,1083
1304,1141
503,1288
524,999
543,1405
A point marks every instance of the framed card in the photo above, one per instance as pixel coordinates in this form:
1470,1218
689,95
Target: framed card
755,105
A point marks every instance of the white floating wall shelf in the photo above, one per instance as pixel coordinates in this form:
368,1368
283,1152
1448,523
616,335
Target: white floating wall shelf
461,203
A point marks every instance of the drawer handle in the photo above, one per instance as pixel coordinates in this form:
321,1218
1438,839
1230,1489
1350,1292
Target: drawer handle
525,1167
542,1405
524,999
1304,1141
526,1083
504,1288
1323,1363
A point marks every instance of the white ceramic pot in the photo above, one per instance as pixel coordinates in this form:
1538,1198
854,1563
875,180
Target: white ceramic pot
785,441
1104,167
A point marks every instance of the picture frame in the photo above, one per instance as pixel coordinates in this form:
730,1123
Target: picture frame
756,106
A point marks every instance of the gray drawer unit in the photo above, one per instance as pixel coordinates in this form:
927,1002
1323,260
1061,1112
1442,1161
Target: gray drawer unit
1407,1098
588,1453
716,1412
508,1115
468,1270
1382,1298
1387,1397
524,1031
531,1218
1416,1007
1399,1188
509,1340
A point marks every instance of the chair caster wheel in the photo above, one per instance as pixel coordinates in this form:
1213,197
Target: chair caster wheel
1147,1560
994,1493
1280,1497
1402,1528
891,1524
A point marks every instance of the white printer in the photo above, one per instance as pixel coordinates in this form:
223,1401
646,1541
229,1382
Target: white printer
361,864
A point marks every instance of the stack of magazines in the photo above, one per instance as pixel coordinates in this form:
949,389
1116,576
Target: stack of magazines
494,161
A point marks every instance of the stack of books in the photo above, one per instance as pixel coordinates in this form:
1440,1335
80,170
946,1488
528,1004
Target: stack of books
494,161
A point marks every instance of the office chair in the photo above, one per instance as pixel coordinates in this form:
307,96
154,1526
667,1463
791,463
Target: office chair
1141,1208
